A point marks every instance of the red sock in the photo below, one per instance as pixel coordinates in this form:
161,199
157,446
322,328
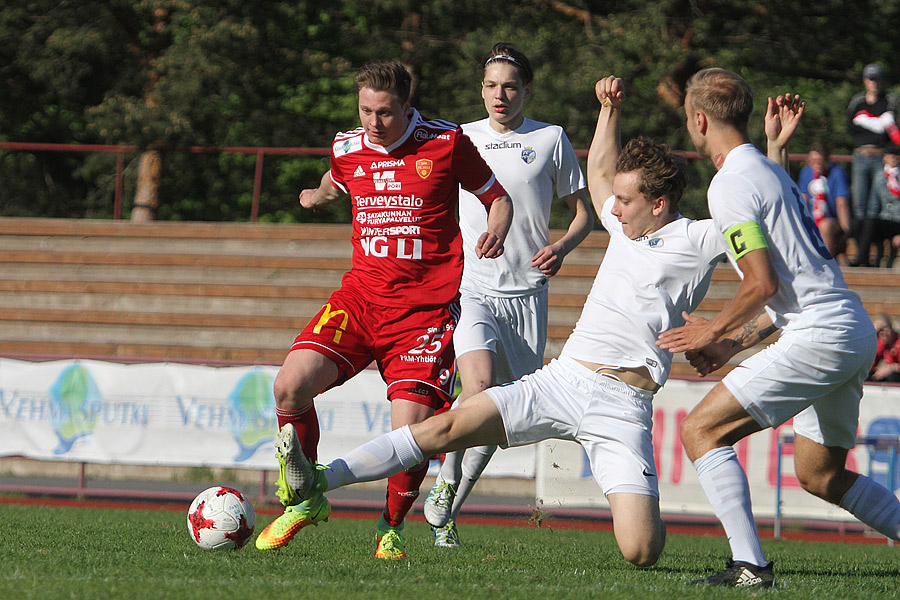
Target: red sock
402,491
306,422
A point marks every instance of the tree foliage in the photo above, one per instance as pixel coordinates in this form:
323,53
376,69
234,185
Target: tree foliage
163,74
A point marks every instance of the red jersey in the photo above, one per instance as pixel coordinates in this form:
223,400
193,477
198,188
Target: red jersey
886,354
407,247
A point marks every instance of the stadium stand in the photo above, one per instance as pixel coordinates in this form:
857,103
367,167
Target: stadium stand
231,293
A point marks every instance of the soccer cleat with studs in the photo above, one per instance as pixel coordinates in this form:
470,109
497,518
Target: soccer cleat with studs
446,536
740,574
298,478
388,541
283,529
439,503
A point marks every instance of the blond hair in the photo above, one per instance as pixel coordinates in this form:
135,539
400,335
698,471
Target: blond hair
722,95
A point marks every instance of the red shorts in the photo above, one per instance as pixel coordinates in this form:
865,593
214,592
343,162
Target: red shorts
413,347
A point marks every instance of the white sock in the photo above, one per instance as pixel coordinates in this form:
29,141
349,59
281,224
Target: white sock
451,470
382,457
725,483
874,505
473,463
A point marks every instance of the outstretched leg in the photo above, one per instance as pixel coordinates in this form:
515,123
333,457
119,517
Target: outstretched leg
822,472
477,423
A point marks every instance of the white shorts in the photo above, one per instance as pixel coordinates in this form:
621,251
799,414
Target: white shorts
514,329
611,420
815,380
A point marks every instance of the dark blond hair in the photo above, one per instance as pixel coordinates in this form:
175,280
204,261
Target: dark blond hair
722,95
662,172
385,76
508,53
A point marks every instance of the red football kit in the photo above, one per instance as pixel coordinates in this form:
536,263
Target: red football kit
398,303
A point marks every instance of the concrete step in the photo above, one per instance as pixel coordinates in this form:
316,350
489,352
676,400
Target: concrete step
160,304
138,351
180,335
312,277
287,248
169,229
214,292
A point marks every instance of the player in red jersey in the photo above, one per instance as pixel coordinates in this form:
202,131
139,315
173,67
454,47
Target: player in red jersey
398,305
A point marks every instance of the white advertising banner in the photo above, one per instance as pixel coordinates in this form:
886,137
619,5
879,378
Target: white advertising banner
564,478
181,415
184,415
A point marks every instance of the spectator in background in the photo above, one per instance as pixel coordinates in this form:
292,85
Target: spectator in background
886,189
826,189
887,358
871,122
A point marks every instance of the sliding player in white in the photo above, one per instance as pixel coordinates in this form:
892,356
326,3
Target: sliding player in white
600,391
502,331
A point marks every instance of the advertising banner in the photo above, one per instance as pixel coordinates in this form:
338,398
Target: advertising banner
181,415
184,415
564,478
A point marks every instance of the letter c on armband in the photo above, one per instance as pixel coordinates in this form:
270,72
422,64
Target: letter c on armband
745,237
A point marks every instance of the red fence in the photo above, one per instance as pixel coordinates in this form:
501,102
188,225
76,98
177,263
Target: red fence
121,150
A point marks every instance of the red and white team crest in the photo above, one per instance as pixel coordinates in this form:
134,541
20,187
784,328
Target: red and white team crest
423,167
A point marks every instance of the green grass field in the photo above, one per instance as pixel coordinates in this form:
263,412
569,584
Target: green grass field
65,552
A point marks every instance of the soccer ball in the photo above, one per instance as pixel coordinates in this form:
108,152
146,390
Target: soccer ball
221,518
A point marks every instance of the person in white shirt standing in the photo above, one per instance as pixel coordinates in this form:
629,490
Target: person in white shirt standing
813,373
502,331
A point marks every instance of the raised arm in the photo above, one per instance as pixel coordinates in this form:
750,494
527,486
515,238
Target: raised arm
782,118
601,163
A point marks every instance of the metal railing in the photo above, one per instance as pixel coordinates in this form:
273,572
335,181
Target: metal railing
121,150
260,152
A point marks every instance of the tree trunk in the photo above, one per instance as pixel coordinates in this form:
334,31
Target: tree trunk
146,198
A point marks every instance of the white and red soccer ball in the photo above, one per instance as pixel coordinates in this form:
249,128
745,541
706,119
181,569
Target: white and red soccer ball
221,518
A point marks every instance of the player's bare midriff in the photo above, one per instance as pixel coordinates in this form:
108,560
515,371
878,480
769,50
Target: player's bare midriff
635,377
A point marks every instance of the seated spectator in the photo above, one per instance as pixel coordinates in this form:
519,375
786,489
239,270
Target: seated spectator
886,189
826,189
887,358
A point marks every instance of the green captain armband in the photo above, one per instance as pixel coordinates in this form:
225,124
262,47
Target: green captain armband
745,237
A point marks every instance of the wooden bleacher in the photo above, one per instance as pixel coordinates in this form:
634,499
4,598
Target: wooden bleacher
221,293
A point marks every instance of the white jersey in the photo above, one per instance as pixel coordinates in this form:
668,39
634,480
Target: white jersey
532,163
641,289
811,290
